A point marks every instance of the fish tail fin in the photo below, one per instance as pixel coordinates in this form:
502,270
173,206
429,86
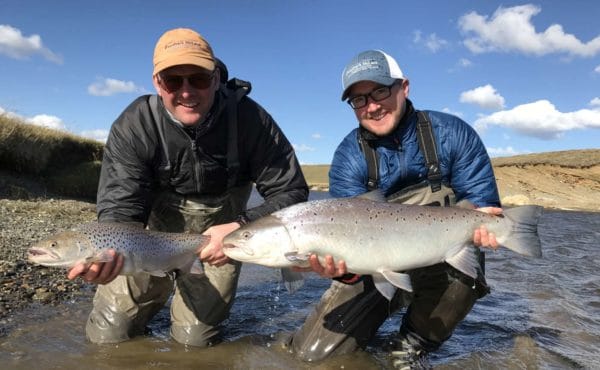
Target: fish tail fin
524,238
204,240
292,280
197,268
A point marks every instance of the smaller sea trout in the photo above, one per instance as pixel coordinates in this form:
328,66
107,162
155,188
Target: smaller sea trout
147,251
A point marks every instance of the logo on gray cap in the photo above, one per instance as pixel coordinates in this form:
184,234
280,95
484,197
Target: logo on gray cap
370,65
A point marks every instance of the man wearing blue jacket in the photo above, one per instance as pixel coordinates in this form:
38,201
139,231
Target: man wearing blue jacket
428,158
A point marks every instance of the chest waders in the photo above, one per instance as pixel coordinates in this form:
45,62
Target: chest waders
200,302
348,316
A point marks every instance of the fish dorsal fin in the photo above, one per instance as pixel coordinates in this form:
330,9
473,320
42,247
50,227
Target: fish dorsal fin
465,260
373,195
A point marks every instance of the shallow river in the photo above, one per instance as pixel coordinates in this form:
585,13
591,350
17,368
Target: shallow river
541,314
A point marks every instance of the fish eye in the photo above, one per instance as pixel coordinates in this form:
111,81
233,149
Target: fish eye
246,235
53,245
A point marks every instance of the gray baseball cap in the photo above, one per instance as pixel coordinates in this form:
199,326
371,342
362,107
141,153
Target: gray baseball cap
370,65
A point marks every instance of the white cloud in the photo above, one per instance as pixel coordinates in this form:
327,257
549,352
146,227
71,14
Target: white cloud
48,121
431,42
595,102
454,113
502,152
17,46
510,29
303,148
597,69
316,136
98,135
541,119
43,120
55,123
484,96
463,62
111,86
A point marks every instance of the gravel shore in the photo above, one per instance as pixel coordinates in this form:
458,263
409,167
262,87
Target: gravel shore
22,222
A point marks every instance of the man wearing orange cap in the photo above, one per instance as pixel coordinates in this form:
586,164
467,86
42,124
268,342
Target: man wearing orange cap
179,161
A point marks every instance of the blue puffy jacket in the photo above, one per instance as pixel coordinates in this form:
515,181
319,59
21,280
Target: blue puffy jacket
464,162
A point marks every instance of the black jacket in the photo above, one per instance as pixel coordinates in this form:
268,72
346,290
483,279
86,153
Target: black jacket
135,166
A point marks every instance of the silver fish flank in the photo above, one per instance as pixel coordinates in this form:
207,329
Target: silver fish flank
147,251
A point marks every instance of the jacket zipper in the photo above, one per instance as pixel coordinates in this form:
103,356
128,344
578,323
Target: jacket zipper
198,174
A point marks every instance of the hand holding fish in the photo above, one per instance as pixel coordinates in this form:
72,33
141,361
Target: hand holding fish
98,272
483,238
328,270
213,252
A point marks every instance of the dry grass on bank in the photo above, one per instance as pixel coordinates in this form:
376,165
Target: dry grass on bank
65,163
584,158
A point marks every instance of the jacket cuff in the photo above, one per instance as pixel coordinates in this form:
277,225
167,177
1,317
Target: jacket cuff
242,220
349,279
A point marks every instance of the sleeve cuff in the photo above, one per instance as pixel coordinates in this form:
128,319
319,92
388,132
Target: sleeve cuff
349,279
242,220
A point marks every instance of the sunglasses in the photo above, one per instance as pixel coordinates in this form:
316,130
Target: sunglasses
379,94
174,82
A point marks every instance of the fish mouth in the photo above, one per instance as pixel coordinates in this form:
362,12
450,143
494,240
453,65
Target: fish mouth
244,249
35,253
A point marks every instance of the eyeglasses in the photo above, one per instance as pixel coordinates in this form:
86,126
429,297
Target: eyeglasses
197,80
380,93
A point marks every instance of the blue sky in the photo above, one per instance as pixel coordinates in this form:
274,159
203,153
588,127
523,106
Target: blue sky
526,75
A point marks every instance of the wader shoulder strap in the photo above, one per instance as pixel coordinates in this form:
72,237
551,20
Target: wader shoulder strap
372,161
429,150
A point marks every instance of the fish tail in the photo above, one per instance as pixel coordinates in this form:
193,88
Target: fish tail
523,237
204,241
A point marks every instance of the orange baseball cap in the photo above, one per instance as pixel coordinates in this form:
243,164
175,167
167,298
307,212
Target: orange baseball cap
182,46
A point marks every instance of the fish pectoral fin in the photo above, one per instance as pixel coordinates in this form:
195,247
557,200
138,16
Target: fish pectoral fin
158,273
102,256
293,280
399,279
465,260
384,287
296,257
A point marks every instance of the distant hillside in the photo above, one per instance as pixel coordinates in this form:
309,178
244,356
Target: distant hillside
36,161
584,158
565,179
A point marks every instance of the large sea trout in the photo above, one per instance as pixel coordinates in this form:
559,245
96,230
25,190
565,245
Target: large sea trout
379,238
149,251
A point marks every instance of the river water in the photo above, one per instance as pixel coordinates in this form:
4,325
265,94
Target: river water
541,314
